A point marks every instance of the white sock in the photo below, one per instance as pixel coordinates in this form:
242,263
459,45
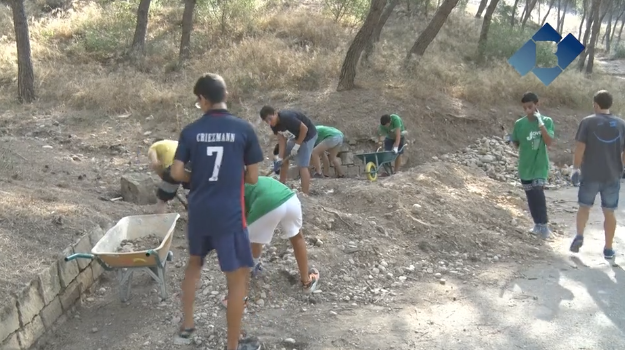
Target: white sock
256,261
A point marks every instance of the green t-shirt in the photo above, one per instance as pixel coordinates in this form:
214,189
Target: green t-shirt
323,132
389,131
533,156
266,195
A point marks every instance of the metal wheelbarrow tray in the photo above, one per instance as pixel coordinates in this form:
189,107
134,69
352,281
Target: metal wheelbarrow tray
153,261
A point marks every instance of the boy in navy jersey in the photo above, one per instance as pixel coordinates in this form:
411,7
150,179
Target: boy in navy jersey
225,154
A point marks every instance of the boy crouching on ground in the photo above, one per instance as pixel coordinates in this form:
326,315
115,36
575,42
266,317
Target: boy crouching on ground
267,204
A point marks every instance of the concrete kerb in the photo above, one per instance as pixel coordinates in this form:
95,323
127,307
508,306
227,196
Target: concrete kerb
44,303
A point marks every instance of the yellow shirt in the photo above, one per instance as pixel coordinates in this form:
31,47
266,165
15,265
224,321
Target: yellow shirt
165,151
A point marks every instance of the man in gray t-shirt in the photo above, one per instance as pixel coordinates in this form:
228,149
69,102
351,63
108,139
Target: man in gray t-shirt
598,162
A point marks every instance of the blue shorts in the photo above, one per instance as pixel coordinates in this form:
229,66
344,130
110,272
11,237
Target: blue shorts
609,194
304,152
388,144
233,250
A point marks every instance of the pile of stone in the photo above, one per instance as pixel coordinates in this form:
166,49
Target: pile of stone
499,160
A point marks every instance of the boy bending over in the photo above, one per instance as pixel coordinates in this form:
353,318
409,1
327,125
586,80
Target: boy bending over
270,203
161,156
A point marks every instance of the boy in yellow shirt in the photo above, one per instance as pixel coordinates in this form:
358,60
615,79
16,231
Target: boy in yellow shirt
161,156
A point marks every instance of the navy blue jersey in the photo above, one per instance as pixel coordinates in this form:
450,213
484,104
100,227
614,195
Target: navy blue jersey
219,146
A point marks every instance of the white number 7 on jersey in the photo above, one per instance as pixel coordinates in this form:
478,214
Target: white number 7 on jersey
220,154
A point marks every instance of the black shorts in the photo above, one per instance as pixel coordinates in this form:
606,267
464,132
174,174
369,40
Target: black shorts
388,144
168,187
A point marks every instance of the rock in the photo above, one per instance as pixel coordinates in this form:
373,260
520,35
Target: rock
499,161
138,188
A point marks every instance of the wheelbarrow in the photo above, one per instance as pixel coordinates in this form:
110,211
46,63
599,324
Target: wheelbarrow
376,160
153,260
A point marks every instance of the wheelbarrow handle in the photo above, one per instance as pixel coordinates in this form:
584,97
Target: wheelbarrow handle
402,148
79,256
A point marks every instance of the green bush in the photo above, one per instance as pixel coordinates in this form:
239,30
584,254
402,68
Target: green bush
109,35
349,10
504,41
619,52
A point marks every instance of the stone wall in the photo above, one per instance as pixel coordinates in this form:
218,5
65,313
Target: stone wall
44,303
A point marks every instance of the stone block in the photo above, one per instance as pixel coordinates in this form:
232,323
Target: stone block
31,332
83,246
95,235
49,283
138,188
69,295
344,148
347,158
29,302
353,171
97,270
51,313
11,343
85,280
9,319
68,270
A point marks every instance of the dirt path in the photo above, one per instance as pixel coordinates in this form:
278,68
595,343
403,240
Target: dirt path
565,303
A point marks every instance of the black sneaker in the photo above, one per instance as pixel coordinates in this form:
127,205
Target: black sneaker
184,337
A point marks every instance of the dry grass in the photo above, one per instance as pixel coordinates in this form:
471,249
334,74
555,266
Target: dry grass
272,51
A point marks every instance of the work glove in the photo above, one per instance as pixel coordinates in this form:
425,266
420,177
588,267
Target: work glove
539,117
575,177
395,150
294,150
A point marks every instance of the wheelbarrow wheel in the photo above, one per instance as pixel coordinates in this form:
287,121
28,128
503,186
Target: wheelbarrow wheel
372,171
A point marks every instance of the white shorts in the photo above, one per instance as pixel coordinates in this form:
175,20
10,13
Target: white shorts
288,215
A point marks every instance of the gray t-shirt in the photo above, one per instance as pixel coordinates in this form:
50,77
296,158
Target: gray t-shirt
604,136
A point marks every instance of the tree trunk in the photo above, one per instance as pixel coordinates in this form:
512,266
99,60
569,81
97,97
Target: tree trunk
527,4
548,11
528,13
584,17
560,28
514,8
348,69
481,44
620,16
481,8
606,36
375,36
430,32
141,29
620,31
187,28
25,74
426,8
593,31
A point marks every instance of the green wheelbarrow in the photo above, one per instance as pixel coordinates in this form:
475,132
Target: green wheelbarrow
378,160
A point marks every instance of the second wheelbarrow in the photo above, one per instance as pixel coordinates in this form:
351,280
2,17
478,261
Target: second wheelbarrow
376,160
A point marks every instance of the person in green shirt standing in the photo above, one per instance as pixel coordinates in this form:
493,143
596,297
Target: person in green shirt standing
532,135
329,140
391,135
